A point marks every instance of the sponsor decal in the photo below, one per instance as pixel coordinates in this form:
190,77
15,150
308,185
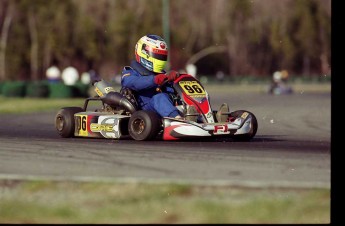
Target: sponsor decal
151,41
148,64
244,115
98,92
162,45
159,51
209,117
221,129
109,89
107,126
106,89
197,96
95,127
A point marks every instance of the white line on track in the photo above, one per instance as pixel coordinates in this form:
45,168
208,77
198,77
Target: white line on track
250,184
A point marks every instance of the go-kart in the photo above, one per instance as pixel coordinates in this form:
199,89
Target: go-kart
120,117
279,88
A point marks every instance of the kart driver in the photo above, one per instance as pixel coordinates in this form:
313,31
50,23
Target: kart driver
146,73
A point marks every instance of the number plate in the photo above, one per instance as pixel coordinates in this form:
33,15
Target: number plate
192,88
81,125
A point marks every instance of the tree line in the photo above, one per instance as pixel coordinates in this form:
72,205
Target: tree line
238,37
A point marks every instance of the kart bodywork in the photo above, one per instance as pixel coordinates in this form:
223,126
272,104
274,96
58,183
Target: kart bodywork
120,116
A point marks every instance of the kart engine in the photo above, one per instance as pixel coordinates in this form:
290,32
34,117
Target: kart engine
112,98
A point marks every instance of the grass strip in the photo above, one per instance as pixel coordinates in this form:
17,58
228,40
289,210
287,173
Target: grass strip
30,105
31,201
11,105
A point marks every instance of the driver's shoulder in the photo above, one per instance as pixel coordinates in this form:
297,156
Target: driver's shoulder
127,71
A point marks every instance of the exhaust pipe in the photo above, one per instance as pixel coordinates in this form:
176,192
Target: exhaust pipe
112,98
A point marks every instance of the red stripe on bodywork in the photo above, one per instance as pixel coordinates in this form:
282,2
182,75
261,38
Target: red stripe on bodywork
167,131
180,77
88,123
204,106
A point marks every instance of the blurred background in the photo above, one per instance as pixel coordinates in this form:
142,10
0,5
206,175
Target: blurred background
71,42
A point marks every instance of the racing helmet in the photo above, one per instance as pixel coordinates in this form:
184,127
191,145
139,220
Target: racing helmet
277,76
151,52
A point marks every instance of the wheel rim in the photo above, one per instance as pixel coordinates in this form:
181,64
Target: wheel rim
138,126
59,123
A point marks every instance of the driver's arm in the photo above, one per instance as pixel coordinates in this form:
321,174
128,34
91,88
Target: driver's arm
133,80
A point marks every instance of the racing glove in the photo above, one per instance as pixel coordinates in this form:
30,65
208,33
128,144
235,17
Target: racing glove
172,75
160,78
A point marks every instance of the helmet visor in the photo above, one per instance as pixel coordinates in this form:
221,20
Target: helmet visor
155,53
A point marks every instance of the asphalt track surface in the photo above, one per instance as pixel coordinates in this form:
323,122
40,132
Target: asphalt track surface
292,148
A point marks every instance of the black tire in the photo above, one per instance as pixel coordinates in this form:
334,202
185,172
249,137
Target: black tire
253,130
144,125
64,121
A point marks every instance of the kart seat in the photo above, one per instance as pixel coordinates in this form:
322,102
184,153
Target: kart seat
131,96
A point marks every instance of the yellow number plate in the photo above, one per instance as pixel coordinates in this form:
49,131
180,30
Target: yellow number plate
82,125
192,88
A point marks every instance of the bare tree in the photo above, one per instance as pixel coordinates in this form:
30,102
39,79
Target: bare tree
34,46
3,39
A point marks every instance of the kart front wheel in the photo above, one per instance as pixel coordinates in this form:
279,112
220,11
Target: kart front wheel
64,121
253,126
144,125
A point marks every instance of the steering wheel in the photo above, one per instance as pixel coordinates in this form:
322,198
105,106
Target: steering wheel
162,86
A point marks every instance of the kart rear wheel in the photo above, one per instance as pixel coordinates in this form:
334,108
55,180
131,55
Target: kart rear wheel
64,121
144,125
253,126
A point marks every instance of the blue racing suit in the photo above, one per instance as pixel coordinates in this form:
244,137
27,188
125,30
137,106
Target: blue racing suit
141,80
